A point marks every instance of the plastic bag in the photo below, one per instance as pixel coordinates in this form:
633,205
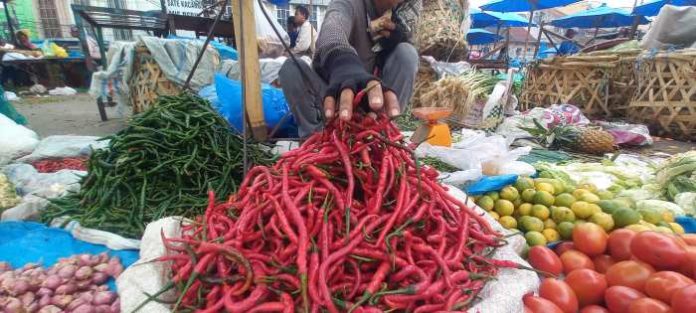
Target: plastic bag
661,206
562,114
46,185
28,209
62,91
274,106
15,140
269,44
64,147
628,134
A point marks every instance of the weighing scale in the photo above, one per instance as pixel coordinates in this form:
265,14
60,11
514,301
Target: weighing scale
431,129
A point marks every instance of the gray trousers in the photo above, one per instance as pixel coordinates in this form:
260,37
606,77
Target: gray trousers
305,96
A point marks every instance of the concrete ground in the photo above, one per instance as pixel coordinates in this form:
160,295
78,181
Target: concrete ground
67,115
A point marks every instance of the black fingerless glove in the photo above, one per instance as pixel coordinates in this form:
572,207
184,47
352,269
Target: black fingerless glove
346,71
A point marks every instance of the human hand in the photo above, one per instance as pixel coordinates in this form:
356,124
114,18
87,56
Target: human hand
378,99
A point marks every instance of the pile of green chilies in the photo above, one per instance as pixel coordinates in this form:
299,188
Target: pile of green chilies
162,164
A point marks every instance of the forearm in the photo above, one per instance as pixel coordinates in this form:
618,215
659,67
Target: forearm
333,41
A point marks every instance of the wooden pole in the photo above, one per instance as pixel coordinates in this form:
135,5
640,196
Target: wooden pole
529,33
538,43
9,23
245,36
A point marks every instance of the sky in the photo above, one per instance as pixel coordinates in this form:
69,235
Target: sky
613,3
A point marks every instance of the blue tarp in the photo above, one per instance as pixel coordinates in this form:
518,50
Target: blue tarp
524,5
482,19
653,8
477,36
602,17
29,242
490,183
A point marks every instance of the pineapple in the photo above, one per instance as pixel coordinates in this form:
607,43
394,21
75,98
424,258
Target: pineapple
583,139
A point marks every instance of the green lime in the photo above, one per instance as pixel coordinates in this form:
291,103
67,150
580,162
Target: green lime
528,195
509,193
544,198
541,212
605,195
651,216
508,222
565,199
558,186
624,217
550,224
530,223
589,197
609,206
551,235
493,195
604,220
535,238
566,230
525,209
545,187
524,183
626,202
562,214
581,209
486,203
504,207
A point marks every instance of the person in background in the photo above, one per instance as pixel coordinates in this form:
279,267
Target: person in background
569,46
292,31
23,42
517,60
306,34
346,63
92,44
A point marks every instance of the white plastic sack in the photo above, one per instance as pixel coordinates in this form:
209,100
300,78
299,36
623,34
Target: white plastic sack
460,178
62,91
95,236
148,277
447,69
269,44
29,209
46,185
15,140
673,27
11,96
64,147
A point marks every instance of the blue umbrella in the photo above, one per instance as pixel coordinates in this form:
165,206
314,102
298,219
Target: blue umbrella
481,19
600,17
653,8
477,36
524,5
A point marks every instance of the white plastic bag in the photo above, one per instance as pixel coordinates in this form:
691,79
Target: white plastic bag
64,147
15,140
687,201
95,236
148,277
269,44
29,209
46,185
62,91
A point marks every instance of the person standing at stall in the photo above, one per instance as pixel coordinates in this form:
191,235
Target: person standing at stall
292,31
349,58
306,34
569,46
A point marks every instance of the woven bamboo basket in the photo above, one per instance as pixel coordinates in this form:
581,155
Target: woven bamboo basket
439,34
148,82
425,78
599,83
665,97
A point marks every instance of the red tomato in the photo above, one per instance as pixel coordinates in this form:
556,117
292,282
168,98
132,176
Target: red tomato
603,262
619,298
543,259
540,305
688,268
619,244
662,285
558,292
573,260
690,239
659,250
684,300
594,309
632,274
647,305
563,247
527,310
588,285
590,239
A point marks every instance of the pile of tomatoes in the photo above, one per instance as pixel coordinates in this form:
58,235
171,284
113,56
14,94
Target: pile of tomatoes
621,272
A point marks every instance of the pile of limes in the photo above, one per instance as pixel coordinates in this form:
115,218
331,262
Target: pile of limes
546,210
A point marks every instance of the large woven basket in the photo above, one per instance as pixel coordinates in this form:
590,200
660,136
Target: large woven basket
600,83
439,34
665,97
148,82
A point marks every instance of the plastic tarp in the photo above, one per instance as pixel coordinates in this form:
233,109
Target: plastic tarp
675,27
176,59
64,147
229,93
27,242
524,5
602,17
15,140
8,110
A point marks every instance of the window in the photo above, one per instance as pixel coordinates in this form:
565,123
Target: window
49,19
282,14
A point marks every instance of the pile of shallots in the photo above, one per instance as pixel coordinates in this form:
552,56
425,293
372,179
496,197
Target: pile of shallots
73,285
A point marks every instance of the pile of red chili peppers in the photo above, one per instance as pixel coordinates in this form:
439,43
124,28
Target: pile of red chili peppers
55,165
348,222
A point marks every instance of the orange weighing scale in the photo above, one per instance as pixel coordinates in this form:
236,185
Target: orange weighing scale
432,130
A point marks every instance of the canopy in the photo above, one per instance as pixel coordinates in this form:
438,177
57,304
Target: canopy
481,37
524,5
481,19
653,8
600,17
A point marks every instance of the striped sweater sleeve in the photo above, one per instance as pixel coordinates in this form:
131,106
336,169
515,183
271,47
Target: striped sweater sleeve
334,36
